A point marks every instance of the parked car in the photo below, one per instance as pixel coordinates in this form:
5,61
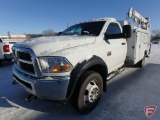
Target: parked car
5,50
155,42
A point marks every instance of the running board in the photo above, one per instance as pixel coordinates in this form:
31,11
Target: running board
113,74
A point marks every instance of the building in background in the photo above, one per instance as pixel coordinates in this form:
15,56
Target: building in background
4,37
19,37
15,37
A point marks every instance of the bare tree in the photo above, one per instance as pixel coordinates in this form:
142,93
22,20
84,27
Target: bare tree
155,34
49,32
34,35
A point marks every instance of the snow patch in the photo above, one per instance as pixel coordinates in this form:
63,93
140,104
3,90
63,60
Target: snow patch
86,59
77,49
48,45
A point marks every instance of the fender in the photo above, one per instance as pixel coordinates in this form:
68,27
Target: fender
80,68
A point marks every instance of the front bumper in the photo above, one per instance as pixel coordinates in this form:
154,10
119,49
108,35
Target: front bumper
50,89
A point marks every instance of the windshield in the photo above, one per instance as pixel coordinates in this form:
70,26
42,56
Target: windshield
89,28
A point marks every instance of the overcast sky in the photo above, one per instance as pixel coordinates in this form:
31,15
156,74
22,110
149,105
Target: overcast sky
34,16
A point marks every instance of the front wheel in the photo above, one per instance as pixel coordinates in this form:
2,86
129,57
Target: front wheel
87,92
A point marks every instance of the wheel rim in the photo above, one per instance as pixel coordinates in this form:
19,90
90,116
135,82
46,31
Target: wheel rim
92,93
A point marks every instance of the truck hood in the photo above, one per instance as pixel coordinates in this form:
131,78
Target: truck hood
44,46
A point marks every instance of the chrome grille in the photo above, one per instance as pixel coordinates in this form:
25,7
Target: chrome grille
27,67
24,55
24,61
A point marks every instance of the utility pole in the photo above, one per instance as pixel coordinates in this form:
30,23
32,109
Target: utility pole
9,34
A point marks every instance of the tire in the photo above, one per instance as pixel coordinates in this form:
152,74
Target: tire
141,62
87,92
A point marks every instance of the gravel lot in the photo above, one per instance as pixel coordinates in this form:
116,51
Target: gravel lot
128,94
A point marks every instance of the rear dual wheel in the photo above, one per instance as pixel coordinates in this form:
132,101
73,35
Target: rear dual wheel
141,62
87,92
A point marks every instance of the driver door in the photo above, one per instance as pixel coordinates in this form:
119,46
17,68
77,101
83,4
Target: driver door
116,48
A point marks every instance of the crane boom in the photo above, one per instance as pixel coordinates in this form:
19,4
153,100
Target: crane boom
143,22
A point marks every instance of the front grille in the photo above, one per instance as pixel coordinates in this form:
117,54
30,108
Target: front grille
23,60
27,67
24,56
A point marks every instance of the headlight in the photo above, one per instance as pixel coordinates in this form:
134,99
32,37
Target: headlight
54,64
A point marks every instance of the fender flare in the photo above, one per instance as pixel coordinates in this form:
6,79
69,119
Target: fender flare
80,68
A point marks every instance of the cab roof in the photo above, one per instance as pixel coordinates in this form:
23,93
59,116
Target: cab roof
101,19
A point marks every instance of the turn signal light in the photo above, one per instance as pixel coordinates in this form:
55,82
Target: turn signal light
60,68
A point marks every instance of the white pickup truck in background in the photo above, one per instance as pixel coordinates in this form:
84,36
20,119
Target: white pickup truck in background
6,50
78,63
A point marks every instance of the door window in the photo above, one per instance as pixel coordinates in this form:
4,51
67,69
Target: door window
113,28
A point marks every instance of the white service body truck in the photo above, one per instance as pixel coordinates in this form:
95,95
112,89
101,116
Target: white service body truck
77,63
6,50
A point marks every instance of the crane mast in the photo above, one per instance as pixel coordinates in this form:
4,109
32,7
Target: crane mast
142,22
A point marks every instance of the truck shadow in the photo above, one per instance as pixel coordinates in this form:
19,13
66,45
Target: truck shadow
110,103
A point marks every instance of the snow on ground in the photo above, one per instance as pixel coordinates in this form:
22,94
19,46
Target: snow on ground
128,94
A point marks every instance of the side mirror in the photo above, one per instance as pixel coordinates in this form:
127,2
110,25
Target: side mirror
127,31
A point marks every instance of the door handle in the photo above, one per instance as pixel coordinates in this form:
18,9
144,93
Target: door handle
123,43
